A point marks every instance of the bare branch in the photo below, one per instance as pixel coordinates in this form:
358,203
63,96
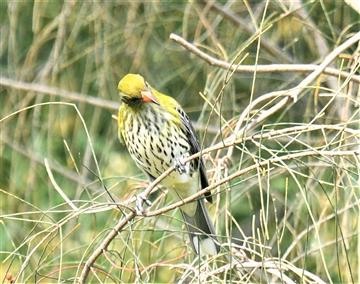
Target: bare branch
271,68
70,96
104,244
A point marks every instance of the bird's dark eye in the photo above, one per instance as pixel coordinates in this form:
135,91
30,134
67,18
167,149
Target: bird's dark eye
131,101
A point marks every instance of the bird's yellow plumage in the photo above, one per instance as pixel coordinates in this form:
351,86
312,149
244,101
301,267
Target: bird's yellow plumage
158,134
132,85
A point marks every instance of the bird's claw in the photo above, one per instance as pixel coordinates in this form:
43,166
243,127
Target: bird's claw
140,199
180,166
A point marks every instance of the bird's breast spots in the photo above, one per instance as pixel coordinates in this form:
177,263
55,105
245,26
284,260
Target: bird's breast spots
157,128
148,162
158,148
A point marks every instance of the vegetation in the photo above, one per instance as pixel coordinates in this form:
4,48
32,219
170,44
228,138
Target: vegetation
273,90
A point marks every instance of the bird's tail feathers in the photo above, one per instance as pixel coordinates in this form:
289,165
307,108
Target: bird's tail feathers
201,231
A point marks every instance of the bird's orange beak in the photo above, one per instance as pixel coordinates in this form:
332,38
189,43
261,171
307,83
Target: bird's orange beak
148,97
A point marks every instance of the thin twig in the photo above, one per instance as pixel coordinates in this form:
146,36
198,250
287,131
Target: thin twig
290,94
63,171
57,187
263,164
104,244
268,45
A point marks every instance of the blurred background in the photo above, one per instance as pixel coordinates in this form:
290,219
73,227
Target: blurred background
60,158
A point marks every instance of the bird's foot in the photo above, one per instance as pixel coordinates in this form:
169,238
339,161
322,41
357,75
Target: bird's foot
140,200
180,165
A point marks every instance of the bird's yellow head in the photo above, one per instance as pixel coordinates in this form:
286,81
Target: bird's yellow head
134,90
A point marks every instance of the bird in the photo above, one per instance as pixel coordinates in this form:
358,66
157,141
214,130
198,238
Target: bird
158,134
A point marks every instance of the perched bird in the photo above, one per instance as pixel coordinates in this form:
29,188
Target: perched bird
158,134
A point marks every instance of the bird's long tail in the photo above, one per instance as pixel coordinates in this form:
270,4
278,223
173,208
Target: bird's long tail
201,231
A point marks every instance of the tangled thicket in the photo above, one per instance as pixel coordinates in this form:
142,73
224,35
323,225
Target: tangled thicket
273,89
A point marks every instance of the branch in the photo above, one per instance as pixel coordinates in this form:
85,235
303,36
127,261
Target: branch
263,164
103,246
72,96
261,68
289,94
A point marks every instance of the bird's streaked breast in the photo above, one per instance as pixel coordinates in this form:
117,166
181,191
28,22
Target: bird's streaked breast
155,142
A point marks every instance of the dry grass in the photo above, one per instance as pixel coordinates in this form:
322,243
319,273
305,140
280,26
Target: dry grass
273,89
